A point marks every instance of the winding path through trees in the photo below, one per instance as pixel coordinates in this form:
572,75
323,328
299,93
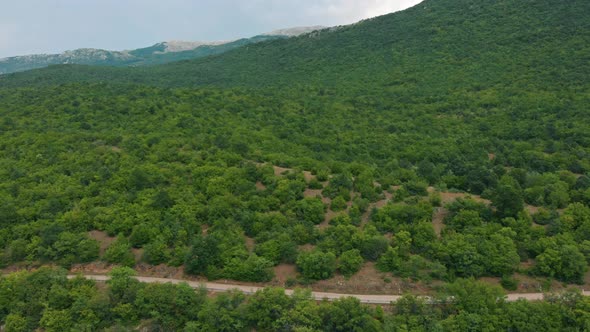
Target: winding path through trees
364,298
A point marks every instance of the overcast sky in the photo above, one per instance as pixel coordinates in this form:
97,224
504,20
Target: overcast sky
53,26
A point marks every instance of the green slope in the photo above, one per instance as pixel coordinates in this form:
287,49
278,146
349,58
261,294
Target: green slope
155,54
488,98
437,44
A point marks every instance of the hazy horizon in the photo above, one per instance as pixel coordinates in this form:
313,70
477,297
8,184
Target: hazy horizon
55,26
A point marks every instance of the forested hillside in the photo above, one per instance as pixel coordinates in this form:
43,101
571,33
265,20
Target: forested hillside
438,44
46,300
445,142
159,53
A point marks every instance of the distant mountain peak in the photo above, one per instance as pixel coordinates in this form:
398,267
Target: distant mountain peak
293,32
180,45
163,52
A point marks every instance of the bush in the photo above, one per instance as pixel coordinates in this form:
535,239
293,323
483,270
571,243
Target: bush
316,265
509,283
310,209
350,262
156,252
315,184
417,188
338,204
254,268
119,252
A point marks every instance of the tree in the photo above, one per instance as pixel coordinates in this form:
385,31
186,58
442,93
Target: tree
338,204
142,234
119,252
372,247
316,265
474,296
564,262
56,320
461,256
123,286
204,253
280,249
222,314
310,209
15,323
348,314
162,200
254,268
576,219
501,255
171,306
156,252
464,219
508,197
266,308
350,262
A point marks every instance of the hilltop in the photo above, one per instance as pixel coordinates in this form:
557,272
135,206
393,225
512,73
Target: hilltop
438,44
159,53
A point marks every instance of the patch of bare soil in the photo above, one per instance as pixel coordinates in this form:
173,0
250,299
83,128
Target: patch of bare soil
103,239
250,244
438,218
378,205
92,268
283,272
308,176
306,247
162,271
260,186
313,193
137,253
329,216
448,197
530,284
370,281
280,170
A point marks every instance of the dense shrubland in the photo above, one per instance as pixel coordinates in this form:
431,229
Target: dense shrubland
386,117
186,176
47,300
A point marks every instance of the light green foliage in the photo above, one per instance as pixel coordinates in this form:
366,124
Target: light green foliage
15,323
562,259
60,304
119,252
311,210
576,219
156,252
279,249
338,204
254,268
350,262
178,160
56,320
316,265
508,197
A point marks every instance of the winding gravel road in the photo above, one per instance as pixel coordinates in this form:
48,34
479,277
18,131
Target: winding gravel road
369,299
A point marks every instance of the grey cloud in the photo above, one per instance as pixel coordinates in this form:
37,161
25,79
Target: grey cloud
50,26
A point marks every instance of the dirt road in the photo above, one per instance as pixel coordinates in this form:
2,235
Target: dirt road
369,299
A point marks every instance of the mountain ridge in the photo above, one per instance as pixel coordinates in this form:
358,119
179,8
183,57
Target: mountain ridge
159,53
469,43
